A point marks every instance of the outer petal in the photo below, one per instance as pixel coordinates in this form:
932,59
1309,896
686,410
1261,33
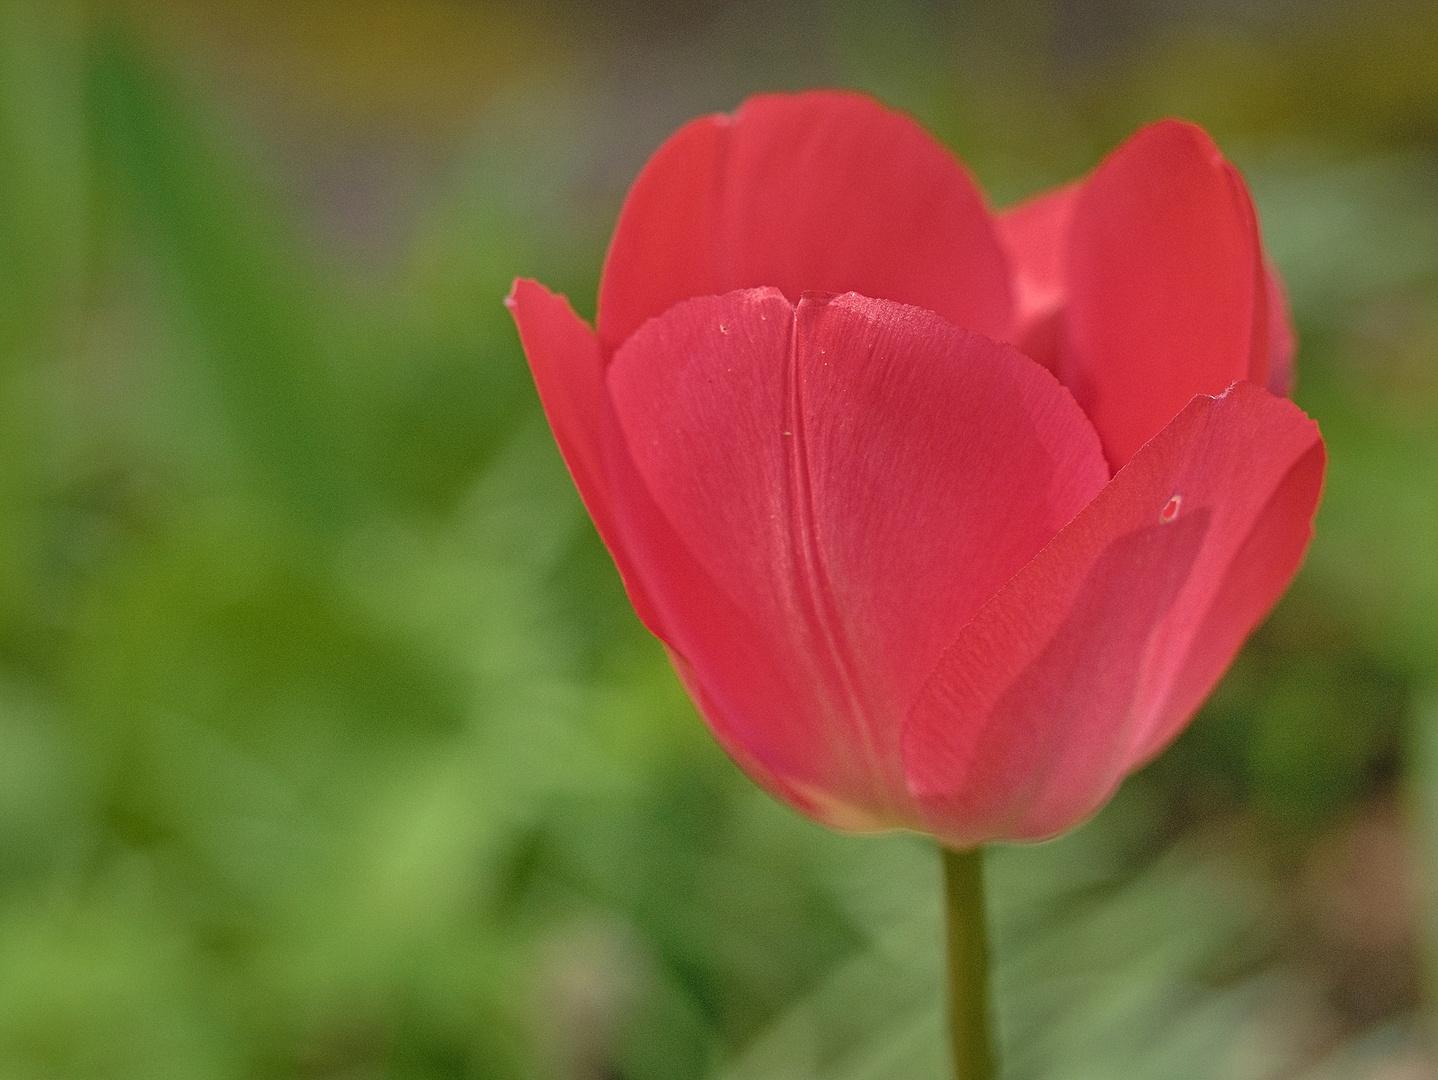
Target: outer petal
822,191
1282,342
702,620
563,355
855,478
1101,648
1166,290
732,732
1035,237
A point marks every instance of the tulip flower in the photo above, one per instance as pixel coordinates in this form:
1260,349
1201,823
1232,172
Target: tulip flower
948,520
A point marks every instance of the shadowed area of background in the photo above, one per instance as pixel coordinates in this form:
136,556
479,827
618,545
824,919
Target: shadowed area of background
329,746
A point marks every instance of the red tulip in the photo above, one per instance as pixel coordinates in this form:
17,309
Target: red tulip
948,520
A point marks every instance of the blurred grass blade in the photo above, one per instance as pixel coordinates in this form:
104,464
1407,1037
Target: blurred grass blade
43,172
258,316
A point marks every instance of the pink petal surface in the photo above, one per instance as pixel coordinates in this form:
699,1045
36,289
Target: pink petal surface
735,739
1282,342
1035,237
1261,319
1253,583
564,359
1095,654
854,478
823,191
1166,294
701,620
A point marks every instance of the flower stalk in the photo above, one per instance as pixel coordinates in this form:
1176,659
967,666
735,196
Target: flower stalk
969,1023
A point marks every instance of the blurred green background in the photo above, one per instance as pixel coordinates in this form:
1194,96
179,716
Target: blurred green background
329,747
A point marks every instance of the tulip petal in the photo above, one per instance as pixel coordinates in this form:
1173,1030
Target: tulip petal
564,358
727,723
1282,342
1094,656
857,477
1254,581
563,355
822,191
700,619
1165,283
1035,237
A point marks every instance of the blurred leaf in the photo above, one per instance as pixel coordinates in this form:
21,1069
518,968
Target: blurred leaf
43,174
256,306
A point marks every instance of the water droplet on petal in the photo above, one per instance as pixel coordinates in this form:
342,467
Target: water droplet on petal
1170,510
724,329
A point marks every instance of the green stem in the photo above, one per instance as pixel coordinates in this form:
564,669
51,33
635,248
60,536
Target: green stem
968,965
